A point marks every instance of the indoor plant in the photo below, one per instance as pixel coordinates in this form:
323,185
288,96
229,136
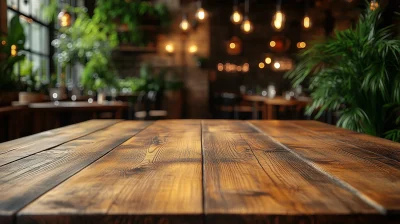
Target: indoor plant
32,89
357,73
10,46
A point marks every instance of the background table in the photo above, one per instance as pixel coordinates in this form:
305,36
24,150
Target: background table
199,171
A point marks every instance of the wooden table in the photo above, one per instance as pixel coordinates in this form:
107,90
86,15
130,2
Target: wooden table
267,104
193,171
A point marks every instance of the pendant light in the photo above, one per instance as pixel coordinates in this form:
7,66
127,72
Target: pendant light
184,25
247,26
64,18
373,5
307,20
278,21
236,16
201,14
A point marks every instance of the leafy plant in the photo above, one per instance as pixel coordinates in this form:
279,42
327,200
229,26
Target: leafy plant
134,15
356,73
90,42
15,38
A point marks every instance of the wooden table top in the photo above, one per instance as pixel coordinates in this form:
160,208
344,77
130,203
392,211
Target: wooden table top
199,171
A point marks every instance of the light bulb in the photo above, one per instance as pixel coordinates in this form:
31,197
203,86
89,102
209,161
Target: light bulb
247,27
232,45
272,43
373,5
236,17
13,50
193,49
64,18
261,65
201,14
268,60
169,48
277,65
307,22
184,24
220,67
278,21
301,45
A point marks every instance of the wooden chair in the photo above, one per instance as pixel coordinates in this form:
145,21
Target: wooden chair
149,106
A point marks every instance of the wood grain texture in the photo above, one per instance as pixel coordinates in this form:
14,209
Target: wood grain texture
26,179
375,178
248,177
154,177
370,143
23,147
232,126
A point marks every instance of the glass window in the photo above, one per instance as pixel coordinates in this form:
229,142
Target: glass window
37,33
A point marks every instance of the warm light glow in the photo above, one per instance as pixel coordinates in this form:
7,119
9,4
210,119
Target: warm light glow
169,48
201,14
245,67
272,43
239,68
301,45
193,49
261,65
268,60
306,22
277,65
373,5
220,67
64,19
278,21
184,25
13,50
3,42
247,27
236,17
232,45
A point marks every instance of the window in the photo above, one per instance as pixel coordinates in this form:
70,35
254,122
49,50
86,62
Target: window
37,46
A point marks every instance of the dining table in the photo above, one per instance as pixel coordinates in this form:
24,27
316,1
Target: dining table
266,104
199,171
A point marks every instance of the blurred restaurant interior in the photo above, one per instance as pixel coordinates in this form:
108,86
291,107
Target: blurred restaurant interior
67,61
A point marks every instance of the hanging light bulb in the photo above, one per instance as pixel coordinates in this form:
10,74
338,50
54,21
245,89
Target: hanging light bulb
184,25
247,26
306,22
236,16
201,14
373,5
13,50
278,21
64,18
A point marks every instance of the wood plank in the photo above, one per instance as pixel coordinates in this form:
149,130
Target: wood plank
155,177
248,178
26,179
233,126
19,148
370,143
373,177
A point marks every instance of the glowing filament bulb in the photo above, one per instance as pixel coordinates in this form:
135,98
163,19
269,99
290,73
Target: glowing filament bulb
236,17
193,49
373,5
184,24
268,60
201,14
306,22
247,27
13,50
169,48
278,20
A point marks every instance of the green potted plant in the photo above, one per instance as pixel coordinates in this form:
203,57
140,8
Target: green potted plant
90,43
10,46
33,90
138,22
357,74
